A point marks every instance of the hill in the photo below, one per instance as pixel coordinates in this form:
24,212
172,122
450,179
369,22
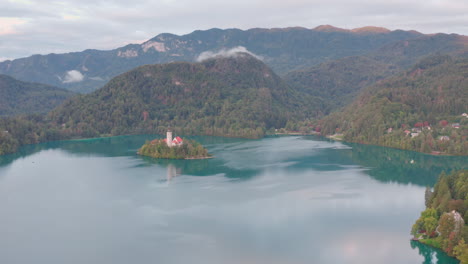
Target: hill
227,96
338,82
283,49
406,53
420,109
17,97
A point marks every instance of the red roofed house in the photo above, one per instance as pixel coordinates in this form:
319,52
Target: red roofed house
177,141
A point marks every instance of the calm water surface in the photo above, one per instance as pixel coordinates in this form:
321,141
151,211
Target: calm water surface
274,200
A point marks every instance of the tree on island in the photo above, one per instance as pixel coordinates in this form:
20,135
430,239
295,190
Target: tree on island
160,149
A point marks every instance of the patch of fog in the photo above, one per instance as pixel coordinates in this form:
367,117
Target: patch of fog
73,76
225,53
96,78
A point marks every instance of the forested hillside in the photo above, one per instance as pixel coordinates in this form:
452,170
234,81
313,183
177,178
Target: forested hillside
338,82
17,97
236,96
421,109
406,53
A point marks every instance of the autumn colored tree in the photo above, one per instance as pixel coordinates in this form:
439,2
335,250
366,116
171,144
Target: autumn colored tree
461,251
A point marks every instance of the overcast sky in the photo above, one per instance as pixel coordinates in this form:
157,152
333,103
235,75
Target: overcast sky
50,26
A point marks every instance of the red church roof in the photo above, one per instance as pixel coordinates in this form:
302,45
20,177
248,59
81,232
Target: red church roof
177,140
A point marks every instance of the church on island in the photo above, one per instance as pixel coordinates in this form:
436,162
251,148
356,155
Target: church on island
171,142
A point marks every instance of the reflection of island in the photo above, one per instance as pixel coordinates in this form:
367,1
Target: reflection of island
172,171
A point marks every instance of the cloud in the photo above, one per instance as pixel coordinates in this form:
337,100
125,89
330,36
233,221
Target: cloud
225,53
73,76
8,25
46,26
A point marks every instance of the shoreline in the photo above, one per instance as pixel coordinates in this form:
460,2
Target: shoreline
433,153
189,158
330,137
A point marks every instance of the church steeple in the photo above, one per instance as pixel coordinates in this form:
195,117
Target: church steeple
169,137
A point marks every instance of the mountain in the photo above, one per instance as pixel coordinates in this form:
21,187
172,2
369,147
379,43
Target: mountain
420,109
227,96
283,49
406,53
17,97
338,82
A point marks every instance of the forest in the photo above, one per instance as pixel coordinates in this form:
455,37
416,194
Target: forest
444,223
421,109
17,97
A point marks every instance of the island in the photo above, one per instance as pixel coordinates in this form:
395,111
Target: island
174,148
444,222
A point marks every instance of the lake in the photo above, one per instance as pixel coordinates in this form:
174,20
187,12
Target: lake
274,200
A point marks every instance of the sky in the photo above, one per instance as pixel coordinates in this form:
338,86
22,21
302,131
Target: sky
30,27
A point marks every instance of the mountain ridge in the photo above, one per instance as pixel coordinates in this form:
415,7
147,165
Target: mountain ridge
282,49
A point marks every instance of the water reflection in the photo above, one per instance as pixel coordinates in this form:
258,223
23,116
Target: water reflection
432,255
394,165
274,200
243,158
172,171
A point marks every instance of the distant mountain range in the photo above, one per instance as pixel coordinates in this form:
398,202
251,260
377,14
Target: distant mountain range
17,97
283,49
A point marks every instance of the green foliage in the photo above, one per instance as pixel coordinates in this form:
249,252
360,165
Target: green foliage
338,82
17,97
190,149
461,252
428,196
451,227
32,129
433,242
427,223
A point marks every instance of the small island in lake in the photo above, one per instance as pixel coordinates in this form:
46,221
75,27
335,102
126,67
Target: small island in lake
174,148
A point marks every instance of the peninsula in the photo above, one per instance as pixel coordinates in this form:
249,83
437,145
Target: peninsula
173,148
443,223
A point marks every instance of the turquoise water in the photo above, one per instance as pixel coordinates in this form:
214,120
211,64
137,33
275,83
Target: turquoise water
274,200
